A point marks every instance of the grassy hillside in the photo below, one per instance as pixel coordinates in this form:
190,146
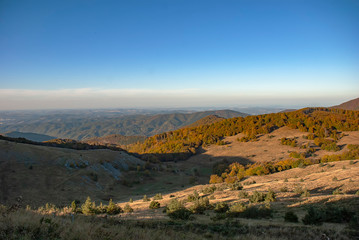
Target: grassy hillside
316,202
77,127
40,174
183,143
281,176
349,105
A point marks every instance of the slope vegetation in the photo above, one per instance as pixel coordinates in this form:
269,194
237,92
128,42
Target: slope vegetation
183,143
205,121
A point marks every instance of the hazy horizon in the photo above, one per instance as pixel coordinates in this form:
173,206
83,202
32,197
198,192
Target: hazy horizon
177,54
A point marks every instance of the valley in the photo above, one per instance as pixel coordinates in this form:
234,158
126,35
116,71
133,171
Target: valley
243,179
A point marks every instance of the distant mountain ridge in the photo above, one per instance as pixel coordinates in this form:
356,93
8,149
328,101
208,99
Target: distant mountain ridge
349,105
29,135
63,126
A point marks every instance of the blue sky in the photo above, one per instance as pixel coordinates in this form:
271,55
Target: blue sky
180,53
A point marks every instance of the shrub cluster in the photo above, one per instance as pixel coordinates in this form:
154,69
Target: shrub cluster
326,144
200,205
183,143
290,217
242,210
288,141
333,214
236,171
90,208
176,210
154,205
261,197
193,197
158,196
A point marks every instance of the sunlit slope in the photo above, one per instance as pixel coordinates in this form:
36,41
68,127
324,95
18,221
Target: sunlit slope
349,105
183,143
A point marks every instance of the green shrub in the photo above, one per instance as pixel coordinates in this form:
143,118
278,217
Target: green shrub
176,210
336,214
154,205
201,205
295,155
289,141
219,216
242,194
88,208
261,197
193,197
146,199
314,216
333,214
101,209
113,209
158,196
257,212
127,208
290,217
236,209
257,197
73,206
221,207
209,190
270,196
249,182
235,186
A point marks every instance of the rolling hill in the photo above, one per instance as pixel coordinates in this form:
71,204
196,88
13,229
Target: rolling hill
349,105
261,169
41,173
59,176
88,126
30,136
183,143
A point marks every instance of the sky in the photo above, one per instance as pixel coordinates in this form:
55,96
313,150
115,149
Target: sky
177,53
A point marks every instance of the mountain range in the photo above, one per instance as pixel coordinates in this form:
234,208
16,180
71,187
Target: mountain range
89,126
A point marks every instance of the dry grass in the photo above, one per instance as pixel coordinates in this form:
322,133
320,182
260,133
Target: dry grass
50,181
28,225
